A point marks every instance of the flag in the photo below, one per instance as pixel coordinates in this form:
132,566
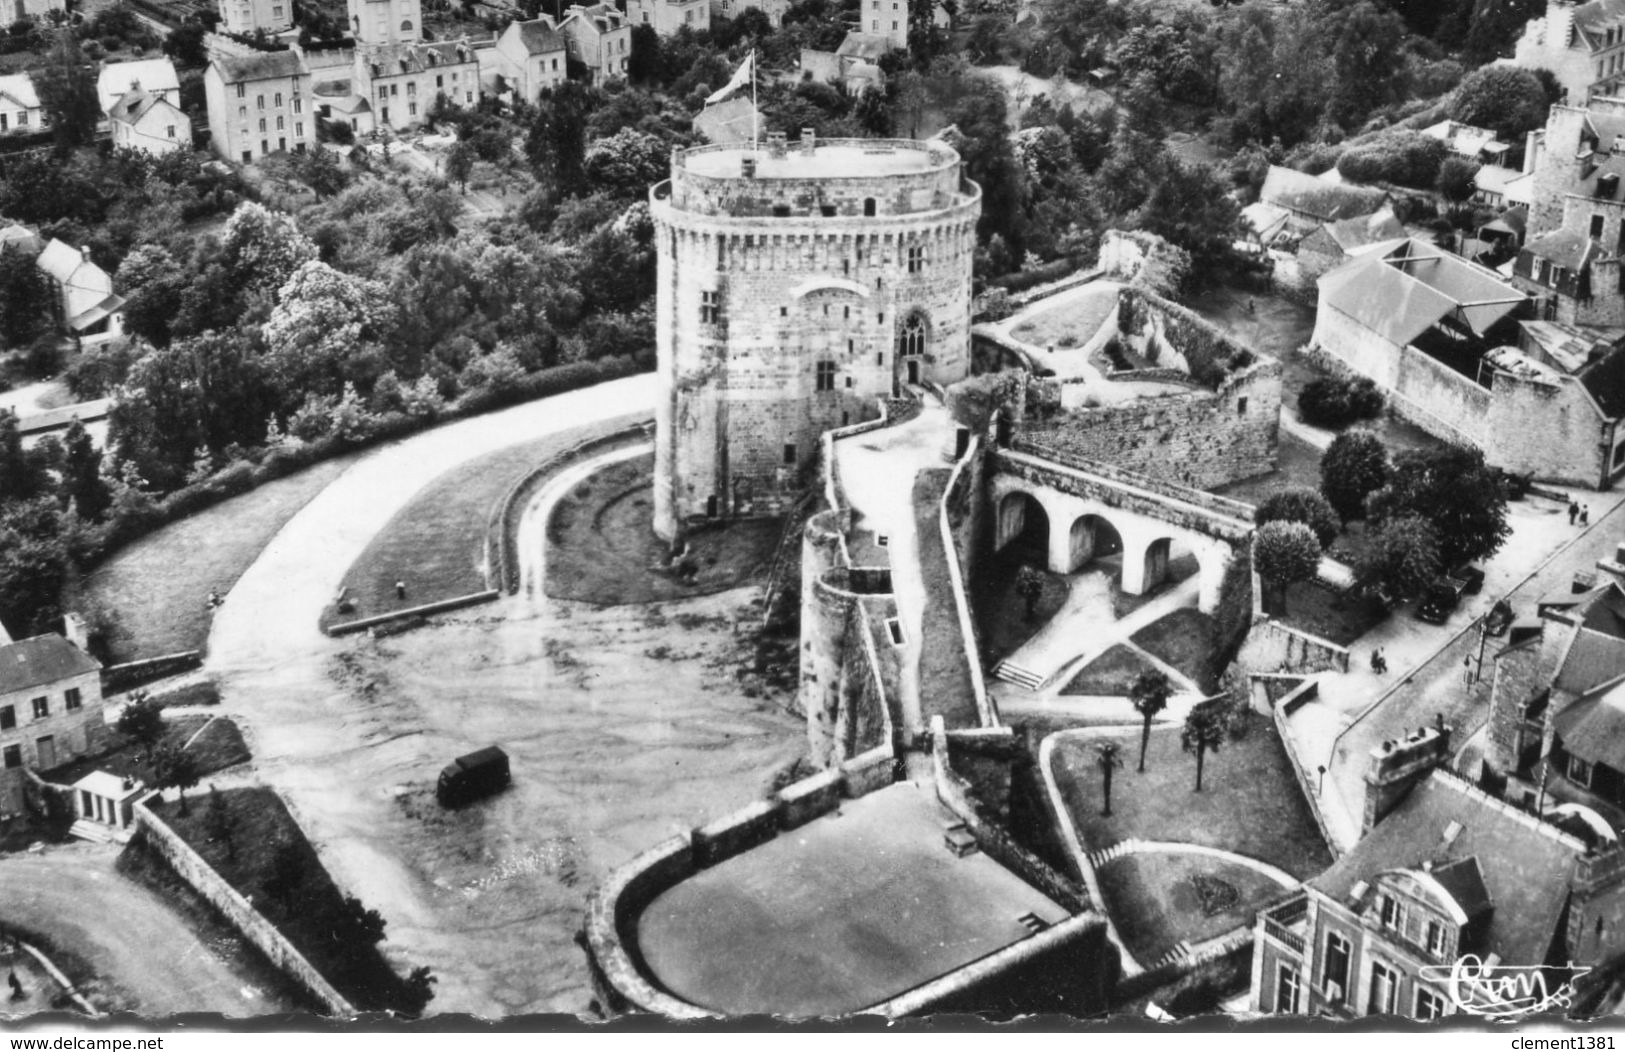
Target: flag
747,69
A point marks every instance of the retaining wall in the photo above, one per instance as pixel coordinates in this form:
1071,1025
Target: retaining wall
1274,647
131,674
202,877
1308,783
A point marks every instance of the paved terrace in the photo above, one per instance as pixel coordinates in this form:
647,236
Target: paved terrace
1359,710
838,915
877,472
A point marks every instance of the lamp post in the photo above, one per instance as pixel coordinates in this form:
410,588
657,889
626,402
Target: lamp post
1321,785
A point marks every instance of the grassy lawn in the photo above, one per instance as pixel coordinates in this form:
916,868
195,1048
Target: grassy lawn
1183,639
436,543
1001,614
1158,901
602,547
1297,464
1250,802
945,683
155,589
266,844
218,747
1332,616
1108,675
1072,324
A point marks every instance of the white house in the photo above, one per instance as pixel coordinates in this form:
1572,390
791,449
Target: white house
154,75
50,711
85,303
259,104
246,16
666,17
600,38
532,56
19,105
150,123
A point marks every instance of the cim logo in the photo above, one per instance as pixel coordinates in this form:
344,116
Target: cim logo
1504,991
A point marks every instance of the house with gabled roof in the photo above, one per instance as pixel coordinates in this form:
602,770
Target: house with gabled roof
403,81
1447,872
600,38
532,57
85,304
149,122
1335,243
1313,201
156,76
20,109
50,711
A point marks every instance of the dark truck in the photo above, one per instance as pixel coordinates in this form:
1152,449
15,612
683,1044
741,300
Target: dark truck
467,778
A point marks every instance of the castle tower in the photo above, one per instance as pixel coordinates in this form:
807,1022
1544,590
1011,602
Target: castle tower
798,284
377,22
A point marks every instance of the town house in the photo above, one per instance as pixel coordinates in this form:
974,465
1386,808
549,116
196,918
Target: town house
50,710
666,17
19,105
600,38
532,56
259,104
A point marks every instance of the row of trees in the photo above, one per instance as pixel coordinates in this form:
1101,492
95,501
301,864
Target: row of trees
1206,728
1426,511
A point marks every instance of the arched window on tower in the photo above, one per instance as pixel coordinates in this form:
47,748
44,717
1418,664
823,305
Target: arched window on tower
911,341
406,26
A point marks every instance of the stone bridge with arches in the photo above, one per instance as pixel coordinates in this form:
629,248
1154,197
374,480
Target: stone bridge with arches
1081,511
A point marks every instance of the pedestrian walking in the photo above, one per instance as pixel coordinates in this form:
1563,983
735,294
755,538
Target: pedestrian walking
1467,670
1585,515
400,589
1574,512
1382,663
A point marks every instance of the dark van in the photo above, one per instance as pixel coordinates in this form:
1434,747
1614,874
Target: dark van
470,777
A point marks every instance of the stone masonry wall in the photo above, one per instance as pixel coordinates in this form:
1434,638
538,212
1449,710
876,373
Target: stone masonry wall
1200,439
1554,431
771,331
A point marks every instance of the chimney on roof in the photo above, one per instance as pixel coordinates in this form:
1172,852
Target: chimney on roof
747,166
76,631
776,146
809,140
1394,767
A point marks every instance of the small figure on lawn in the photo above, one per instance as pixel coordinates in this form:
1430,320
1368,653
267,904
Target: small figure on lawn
400,589
1574,512
16,986
1585,515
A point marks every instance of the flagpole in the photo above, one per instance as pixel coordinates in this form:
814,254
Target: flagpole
754,113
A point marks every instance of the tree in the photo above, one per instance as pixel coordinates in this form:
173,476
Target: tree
1508,100
1455,491
460,163
33,563
320,171
25,297
419,986
185,44
356,929
1354,466
153,284
67,92
261,249
1149,694
286,879
557,142
1368,62
1456,182
142,721
1301,504
1108,761
1030,587
627,163
175,768
220,824
322,319
82,482
1401,557
1285,553
644,64
1206,728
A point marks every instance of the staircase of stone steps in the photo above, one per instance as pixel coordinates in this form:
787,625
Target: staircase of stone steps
96,833
1021,677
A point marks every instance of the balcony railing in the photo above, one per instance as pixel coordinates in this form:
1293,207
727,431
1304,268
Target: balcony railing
1287,923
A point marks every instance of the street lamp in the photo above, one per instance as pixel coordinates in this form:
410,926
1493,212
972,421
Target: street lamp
1319,788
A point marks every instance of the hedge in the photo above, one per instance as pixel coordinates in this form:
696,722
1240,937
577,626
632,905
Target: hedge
130,524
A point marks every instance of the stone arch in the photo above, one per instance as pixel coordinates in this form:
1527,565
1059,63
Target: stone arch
1023,520
1091,537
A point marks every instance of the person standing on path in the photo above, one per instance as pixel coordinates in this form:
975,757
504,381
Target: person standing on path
400,589
1585,515
1574,512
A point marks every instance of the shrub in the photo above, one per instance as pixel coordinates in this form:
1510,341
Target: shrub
1301,504
1335,403
1354,466
1406,158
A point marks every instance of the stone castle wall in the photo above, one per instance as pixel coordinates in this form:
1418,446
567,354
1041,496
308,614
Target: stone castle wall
1199,438
772,330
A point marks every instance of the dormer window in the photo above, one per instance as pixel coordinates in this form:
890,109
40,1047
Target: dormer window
1435,938
1392,912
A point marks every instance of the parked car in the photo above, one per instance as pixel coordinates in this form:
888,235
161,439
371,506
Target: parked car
1472,576
1440,599
468,778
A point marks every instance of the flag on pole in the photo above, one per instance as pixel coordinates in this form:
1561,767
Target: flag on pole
747,70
